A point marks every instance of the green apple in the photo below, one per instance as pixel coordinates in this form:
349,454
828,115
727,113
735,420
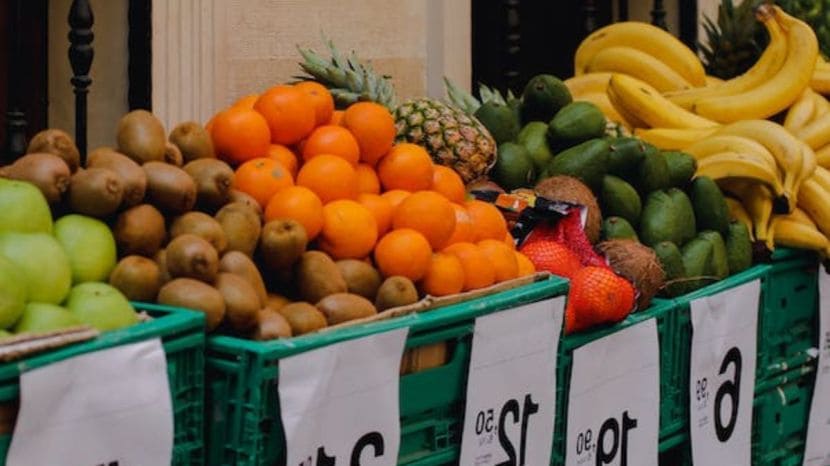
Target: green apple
90,246
12,293
101,306
23,208
44,317
42,264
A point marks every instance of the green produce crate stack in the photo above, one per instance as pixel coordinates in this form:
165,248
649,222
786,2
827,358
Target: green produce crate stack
183,338
244,421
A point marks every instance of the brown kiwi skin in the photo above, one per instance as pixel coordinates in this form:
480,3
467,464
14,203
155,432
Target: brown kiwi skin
361,278
281,243
57,142
170,188
303,318
245,198
97,192
141,137
270,325
318,276
242,227
190,256
193,141
276,301
46,171
140,230
202,225
172,155
160,258
238,263
193,294
343,307
241,301
134,178
213,179
137,277
396,291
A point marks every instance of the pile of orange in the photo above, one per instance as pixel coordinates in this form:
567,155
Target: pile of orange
358,194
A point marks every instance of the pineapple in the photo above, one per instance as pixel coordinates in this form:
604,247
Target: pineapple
735,42
451,136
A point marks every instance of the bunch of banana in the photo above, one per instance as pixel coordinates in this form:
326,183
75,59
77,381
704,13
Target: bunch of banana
821,77
643,106
757,207
673,138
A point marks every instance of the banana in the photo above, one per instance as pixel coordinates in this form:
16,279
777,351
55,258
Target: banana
778,92
823,156
822,177
798,215
743,166
645,38
758,202
815,201
794,234
738,213
817,133
822,106
820,82
809,164
673,138
603,103
632,96
713,81
800,114
588,83
630,61
767,65
726,143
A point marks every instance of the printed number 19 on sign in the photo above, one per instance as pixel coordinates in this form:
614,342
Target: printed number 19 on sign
607,450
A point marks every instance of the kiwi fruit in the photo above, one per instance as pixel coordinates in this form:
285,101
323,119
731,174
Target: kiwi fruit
270,325
56,142
172,155
170,188
193,141
242,227
46,171
133,177
396,291
140,230
241,301
281,243
141,137
303,318
196,295
190,256
276,301
245,198
318,276
343,307
361,278
238,263
213,179
160,258
137,277
203,225
97,192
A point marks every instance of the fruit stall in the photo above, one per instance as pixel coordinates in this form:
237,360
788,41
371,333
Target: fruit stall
623,265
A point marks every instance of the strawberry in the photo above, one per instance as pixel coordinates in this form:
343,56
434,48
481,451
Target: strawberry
598,296
552,257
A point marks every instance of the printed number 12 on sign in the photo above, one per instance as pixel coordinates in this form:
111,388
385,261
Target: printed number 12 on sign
722,377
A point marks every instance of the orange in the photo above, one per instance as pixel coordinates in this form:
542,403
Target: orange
403,252
445,275
246,102
321,98
509,241
380,208
429,213
406,166
488,222
478,271
330,177
395,197
525,266
463,230
334,140
349,230
289,113
373,127
239,134
448,182
367,179
297,203
337,117
502,257
261,178
284,156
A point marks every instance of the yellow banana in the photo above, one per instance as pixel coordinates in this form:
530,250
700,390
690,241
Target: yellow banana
603,103
800,114
713,80
630,61
821,105
794,234
742,166
823,156
588,83
632,96
673,138
820,82
758,202
798,215
817,133
822,177
767,65
645,38
815,201
778,92
727,143
738,213
809,164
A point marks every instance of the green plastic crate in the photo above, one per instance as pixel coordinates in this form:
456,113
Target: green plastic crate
245,427
182,333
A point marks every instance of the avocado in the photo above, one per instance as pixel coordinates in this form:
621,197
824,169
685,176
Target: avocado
660,220
672,262
587,161
720,262
682,167
514,168
500,120
617,228
576,122
653,171
543,96
697,258
738,247
684,213
710,206
534,136
620,199
625,156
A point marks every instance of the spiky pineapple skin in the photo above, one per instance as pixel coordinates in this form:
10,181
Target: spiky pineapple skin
452,137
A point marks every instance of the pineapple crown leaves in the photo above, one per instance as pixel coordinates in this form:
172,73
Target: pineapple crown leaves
468,103
735,41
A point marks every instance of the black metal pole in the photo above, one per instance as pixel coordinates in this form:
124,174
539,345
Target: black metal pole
590,16
15,118
80,57
512,72
623,8
658,15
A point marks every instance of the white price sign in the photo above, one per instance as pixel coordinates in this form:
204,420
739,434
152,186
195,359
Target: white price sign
111,407
722,375
817,450
511,387
339,403
614,404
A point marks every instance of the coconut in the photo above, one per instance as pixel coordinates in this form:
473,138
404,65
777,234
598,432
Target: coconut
636,263
569,189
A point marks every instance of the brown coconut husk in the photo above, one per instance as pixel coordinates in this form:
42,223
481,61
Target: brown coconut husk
637,264
569,189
